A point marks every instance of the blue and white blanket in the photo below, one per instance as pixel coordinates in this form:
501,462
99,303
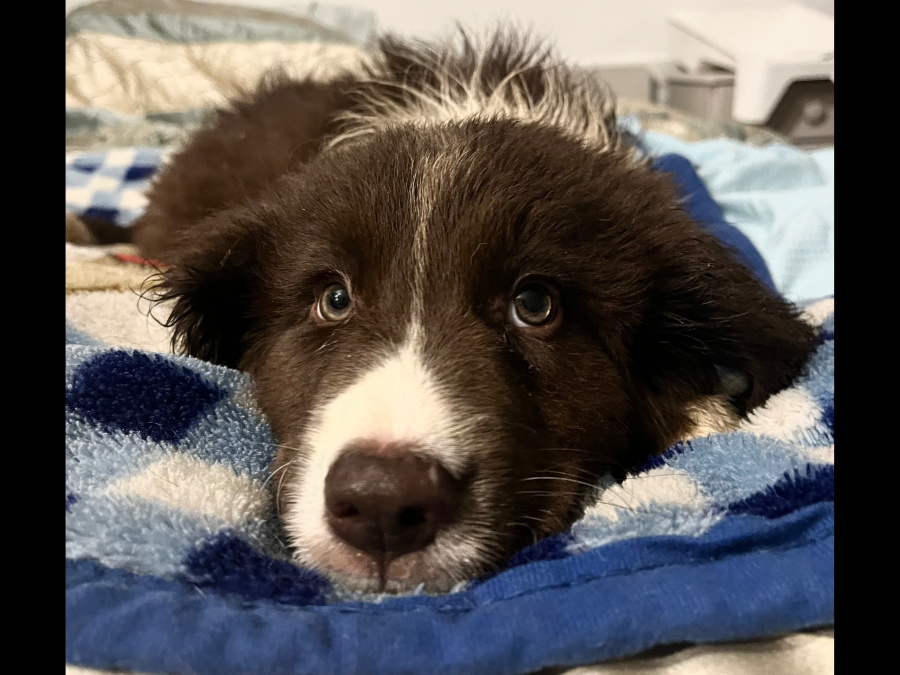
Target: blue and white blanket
111,184
174,560
174,564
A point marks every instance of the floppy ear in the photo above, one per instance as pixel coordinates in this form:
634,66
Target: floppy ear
713,329
213,284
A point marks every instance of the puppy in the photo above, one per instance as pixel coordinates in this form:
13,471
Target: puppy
463,296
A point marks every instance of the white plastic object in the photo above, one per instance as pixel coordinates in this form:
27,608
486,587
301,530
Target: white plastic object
766,49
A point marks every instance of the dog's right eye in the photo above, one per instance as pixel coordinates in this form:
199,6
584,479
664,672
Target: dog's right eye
334,304
535,306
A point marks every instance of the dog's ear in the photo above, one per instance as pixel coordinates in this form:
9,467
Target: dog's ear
713,329
213,286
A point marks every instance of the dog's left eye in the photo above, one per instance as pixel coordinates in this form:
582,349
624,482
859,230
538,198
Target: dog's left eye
532,306
334,303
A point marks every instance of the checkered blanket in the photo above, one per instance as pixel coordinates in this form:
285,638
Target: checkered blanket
110,185
175,561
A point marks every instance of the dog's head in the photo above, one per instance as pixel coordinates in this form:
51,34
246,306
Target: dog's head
455,331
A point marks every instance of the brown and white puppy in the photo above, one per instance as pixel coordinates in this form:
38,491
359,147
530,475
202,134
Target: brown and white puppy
463,298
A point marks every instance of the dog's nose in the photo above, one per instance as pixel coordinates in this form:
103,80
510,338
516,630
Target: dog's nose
392,505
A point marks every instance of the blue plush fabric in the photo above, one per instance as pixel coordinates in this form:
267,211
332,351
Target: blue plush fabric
155,585
780,197
175,561
745,578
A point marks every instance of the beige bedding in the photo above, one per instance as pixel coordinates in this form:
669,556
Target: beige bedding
140,77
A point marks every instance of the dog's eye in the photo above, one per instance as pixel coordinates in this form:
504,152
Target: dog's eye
533,305
334,303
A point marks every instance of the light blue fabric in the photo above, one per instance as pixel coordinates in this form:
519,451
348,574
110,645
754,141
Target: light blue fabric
780,197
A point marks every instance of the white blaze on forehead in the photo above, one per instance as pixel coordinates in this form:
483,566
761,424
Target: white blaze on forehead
431,177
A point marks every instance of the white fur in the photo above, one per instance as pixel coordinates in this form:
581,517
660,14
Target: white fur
574,102
816,313
397,401
432,174
710,416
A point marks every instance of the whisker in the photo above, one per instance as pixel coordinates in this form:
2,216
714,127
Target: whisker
534,534
278,470
274,445
538,493
278,490
593,502
561,478
565,450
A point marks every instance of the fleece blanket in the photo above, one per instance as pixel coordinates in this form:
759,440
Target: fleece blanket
175,561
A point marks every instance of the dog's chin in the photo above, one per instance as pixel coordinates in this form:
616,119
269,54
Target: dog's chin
425,571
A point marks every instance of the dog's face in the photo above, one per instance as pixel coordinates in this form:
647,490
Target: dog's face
455,331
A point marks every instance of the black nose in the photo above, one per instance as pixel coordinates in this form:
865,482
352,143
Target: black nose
392,505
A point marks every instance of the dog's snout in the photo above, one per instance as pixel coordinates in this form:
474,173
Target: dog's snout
389,504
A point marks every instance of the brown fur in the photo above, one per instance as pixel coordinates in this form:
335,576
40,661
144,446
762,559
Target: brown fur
274,130
257,222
